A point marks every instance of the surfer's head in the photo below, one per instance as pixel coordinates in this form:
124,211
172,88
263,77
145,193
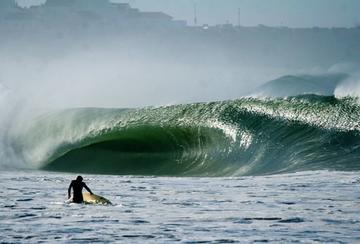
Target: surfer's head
79,178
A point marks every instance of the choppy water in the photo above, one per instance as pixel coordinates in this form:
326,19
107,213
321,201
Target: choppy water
318,207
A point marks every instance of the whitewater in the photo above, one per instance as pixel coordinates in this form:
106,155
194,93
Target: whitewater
254,169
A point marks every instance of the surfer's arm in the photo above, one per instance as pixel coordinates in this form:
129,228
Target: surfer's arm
88,189
69,190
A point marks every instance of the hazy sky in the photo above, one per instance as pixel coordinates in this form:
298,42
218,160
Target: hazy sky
293,13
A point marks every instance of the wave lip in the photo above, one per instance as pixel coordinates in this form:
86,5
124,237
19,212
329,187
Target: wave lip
248,136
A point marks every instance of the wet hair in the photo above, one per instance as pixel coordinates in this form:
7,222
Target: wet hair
79,178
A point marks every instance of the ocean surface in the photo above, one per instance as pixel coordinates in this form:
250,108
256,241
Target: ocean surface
306,207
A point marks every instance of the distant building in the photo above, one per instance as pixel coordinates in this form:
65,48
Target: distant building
158,16
121,6
90,15
74,3
120,13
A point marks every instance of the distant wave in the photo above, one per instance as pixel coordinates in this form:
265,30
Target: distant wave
248,136
293,85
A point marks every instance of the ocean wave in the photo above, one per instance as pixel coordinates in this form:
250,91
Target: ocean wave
248,136
294,85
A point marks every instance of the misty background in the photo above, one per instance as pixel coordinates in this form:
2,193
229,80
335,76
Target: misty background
76,53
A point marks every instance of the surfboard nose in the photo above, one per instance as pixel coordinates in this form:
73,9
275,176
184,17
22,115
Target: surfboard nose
95,199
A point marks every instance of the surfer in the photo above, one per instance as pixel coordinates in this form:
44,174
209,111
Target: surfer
77,186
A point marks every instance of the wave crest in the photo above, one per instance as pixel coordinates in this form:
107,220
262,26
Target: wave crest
243,137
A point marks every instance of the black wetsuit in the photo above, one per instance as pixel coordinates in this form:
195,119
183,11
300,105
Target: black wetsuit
77,189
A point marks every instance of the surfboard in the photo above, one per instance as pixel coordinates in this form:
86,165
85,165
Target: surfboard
95,199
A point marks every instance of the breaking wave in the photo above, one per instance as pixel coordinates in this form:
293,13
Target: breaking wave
248,136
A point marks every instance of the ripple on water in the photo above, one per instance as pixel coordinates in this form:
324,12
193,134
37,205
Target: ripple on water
9,206
54,217
139,221
264,218
139,236
220,241
25,215
38,208
287,202
25,199
292,220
